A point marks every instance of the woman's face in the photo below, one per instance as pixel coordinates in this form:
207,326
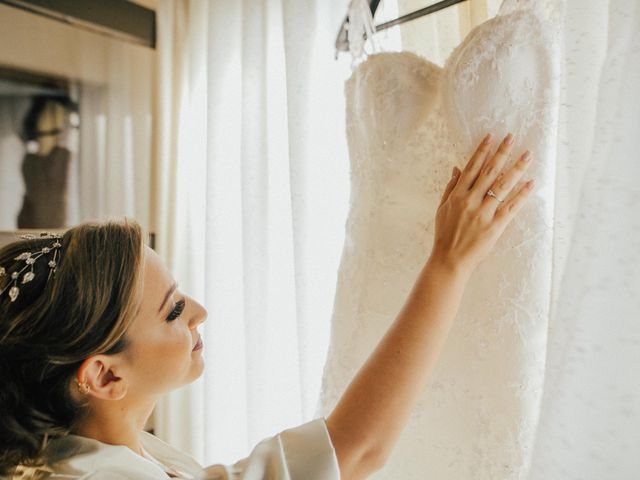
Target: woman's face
161,355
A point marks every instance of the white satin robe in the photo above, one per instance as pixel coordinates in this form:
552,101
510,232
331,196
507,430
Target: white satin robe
301,453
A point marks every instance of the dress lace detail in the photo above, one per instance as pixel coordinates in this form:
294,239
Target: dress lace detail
409,122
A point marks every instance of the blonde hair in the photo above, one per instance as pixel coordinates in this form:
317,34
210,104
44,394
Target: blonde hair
83,310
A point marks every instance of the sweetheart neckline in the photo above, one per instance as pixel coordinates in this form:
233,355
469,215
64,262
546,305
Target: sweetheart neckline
456,50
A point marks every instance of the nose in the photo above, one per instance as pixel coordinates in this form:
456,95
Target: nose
199,315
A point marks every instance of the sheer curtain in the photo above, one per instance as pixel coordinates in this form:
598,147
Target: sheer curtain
590,421
253,189
111,175
435,36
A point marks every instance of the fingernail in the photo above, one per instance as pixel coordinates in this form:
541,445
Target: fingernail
527,156
487,139
530,184
509,139
453,172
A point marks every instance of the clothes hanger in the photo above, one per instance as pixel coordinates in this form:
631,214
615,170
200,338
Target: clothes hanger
342,40
32,132
39,103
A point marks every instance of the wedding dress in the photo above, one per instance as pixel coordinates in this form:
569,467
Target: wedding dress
409,121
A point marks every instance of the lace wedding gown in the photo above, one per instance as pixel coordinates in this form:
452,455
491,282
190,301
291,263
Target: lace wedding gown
409,122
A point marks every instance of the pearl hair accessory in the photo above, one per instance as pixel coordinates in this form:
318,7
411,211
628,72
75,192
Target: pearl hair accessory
30,259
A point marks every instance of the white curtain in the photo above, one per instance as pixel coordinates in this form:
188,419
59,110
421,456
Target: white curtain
435,36
590,420
250,209
253,174
111,176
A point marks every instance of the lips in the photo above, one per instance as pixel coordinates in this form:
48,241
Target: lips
198,344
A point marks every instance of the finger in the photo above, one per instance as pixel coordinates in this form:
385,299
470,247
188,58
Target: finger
516,201
507,180
471,169
493,166
514,191
455,175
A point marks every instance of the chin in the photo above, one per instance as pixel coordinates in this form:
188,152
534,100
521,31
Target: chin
197,367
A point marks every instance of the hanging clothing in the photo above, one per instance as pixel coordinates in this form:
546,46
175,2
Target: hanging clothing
301,453
45,198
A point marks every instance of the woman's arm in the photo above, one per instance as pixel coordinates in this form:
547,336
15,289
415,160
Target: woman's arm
374,408
372,412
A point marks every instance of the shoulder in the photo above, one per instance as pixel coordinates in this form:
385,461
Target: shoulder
304,452
26,473
81,458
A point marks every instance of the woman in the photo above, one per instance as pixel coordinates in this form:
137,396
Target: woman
93,331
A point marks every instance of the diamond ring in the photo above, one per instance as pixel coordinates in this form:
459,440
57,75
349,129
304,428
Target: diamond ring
491,193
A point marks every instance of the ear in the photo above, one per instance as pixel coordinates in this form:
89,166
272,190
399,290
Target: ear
103,375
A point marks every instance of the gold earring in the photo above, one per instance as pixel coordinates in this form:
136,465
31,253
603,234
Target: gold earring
83,387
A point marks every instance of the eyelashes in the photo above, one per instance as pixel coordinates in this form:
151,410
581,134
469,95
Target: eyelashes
177,310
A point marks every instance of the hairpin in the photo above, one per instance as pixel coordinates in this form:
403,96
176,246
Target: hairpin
30,259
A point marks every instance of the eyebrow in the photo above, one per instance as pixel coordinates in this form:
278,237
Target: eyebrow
166,297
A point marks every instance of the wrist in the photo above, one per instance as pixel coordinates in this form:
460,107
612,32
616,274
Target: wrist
445,267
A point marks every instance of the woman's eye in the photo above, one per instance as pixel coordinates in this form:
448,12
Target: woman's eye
177,310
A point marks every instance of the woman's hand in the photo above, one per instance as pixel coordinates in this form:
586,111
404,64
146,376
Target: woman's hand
468,221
